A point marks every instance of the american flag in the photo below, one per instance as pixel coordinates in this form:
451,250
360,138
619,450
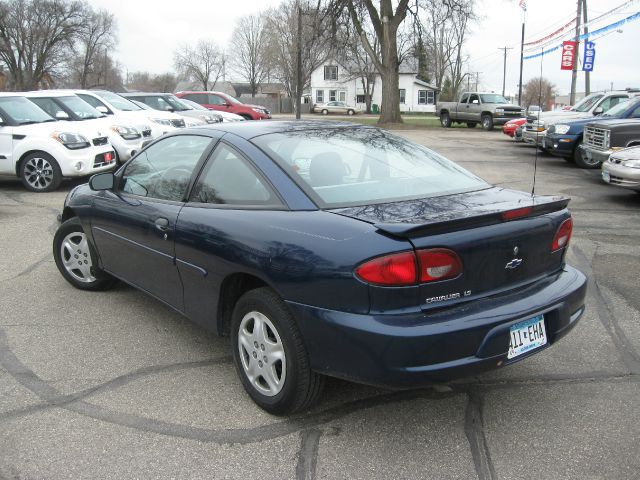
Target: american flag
523,5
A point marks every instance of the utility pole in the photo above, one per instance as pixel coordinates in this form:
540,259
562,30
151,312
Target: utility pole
504,69
587,75
299,65
477,80
521,62
574,72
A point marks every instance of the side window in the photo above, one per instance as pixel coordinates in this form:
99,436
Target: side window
464,98
216,100
94,102
228,179
47,105
610,102
473,97
636,112
164,169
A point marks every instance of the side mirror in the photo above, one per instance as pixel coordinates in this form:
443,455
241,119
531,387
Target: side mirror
102,181
170,109
598,111
475,102
102,109
60,115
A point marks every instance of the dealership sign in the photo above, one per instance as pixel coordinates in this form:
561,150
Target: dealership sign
568,55
589,56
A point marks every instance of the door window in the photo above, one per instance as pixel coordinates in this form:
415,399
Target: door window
216,100
164,169
464,98
474,98
609,102
229,179
201,98
93,101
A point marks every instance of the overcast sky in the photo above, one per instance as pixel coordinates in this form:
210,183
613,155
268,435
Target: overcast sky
149,31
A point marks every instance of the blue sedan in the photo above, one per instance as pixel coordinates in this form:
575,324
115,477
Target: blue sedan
323,248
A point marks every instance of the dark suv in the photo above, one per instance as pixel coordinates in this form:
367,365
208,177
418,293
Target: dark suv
604,137
226,103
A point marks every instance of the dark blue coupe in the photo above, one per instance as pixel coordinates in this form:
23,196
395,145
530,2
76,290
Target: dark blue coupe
328,249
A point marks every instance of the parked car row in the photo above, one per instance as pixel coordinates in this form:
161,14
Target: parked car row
49,135
221,102
610,142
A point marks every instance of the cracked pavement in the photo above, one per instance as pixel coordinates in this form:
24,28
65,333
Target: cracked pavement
116,385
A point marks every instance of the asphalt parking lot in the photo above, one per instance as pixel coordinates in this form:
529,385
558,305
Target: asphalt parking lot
116,385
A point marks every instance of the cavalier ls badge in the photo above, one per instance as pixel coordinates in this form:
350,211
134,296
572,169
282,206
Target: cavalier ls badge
516,262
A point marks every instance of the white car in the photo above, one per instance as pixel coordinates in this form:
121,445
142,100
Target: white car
167,102
226,116
42,151
125,138
188,121
111,103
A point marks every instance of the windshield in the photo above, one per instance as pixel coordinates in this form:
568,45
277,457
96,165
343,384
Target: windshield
230,99
492,98
193,105
118,102
22,111
81,109
586,103
362,166
617,109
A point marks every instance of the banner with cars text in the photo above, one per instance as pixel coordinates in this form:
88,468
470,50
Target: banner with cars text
589,56
568,55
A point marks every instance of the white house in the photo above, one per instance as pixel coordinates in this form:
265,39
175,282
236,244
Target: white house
333,81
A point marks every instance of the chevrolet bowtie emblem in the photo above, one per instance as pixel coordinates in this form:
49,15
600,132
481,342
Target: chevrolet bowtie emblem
516,262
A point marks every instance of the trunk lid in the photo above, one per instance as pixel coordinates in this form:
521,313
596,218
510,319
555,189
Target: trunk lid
496,254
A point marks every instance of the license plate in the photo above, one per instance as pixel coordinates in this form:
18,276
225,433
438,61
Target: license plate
606,177
526,336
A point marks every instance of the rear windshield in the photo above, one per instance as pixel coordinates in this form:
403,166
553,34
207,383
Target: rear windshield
340,167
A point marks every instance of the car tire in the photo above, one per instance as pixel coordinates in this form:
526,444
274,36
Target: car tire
281,382
445,120
582,162
40,172
76,259
350,112
487,122
324,111
471,124
577,152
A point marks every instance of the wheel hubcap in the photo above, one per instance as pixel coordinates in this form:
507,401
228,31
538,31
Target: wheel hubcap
38,172
262,354
76,257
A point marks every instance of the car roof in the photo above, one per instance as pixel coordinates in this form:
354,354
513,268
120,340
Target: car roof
50,93
251,129
202,91
143,94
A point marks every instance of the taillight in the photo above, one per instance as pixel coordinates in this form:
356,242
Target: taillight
409,268
563,235
438,264
394,270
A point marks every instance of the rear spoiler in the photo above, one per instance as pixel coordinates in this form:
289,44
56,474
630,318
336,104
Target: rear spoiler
472,218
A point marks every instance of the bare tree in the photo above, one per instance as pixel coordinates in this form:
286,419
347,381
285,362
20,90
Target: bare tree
147,82
538,91
36,37
250,58
385,22
96,37
203,62
443,28
318,25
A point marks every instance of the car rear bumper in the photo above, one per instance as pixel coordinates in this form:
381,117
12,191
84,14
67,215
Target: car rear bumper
560,145
413,349
533,138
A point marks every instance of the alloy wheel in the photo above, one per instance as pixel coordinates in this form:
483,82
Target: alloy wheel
76,257
262,354
38,172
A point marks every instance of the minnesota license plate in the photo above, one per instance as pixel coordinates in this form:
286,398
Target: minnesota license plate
526,336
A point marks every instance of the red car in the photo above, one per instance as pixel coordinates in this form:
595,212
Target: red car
510,127
226,103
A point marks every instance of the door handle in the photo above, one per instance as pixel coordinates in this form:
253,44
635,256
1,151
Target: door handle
162,224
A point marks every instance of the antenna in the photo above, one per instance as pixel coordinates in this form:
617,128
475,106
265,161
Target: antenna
535,161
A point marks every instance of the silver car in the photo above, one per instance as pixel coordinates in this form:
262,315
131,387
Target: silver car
334,107
623,169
